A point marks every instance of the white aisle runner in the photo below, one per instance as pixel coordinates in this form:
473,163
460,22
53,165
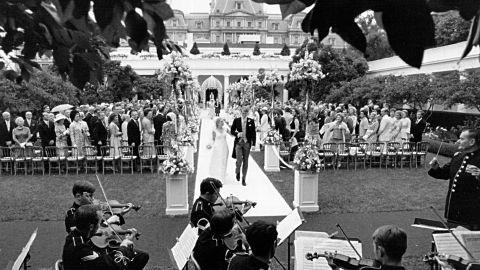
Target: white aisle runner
259,189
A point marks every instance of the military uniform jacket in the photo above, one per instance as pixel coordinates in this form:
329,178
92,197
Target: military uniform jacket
202,212
80,254
246,262
463,198
210,253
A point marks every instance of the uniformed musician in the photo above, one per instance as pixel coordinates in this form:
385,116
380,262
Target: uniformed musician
83,194
262,238
202,210
80,254
389,245
463,198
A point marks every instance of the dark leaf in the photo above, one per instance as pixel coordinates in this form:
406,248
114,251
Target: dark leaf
353,35
472,36
61,56
111,26
136,28
10,74
81,8
87,67
104,13
410,29
12,40
2,65
25,74
273,2
158,7
291,8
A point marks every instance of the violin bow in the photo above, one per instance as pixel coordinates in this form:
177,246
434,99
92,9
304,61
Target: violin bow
451,232
348,240
109,207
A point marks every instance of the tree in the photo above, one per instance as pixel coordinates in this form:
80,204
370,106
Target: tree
65,28
150,87
226,49
450,28
256,49
464,91
377,41
44,88
358,91
120,80
195,49
285,50
414,90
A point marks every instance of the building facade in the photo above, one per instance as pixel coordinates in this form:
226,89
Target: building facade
240,22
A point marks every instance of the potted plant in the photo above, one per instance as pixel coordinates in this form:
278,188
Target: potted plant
176,170
272,142
307,165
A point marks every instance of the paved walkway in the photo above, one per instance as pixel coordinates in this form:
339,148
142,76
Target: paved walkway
259,188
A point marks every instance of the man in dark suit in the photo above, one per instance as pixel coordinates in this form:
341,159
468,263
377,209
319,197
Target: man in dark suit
100,133
218,107
32,125
243,128
133,132
46,130
158,121
6,128
417,128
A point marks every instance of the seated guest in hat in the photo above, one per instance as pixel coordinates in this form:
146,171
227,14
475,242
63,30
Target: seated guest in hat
262,238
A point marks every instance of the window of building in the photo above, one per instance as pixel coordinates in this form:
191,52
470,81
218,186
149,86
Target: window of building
331,41
217,38
275,40
259,24
199,25
217,23
249,24
238,5
174,23
295,39
228,24
239,24
275,26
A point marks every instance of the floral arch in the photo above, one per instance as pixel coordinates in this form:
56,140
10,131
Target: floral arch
209,84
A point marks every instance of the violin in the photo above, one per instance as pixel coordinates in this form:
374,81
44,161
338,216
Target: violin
456,262
116,206
110,236
345,262
234,203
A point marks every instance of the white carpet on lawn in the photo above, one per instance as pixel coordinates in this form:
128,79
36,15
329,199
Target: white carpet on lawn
259,188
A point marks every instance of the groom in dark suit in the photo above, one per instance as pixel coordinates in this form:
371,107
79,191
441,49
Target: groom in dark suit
243,128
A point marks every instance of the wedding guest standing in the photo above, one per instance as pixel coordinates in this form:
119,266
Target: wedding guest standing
148,132
417,128
115,134
6,129
61,134
100,134
363,127
46,130
21,134
371,134
125,121
385,127
78,135
32,125
406,125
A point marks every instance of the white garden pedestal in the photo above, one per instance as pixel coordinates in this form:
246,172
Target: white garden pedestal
256,147
187,151
177,194
306,191
272,164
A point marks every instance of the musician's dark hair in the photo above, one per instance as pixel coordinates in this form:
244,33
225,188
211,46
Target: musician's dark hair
261,236
474,134
393,240
83,186
222,222
206,185
86,215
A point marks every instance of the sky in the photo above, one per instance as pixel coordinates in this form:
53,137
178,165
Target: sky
189,6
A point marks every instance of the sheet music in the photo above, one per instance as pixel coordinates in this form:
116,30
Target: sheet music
25,250
182,250
311,242
288,225
446,244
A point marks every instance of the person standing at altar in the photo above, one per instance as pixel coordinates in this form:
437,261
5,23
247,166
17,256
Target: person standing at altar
218,107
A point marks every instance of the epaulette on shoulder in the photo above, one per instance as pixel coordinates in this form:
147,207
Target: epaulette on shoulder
199,206
456,154
71,211
77,240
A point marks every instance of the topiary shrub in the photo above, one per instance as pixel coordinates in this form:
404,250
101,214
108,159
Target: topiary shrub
285,50
195,49
256,49
226,49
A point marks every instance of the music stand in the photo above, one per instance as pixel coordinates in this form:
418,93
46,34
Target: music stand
286,227
24,256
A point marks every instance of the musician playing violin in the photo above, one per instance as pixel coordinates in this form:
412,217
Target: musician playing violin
262,238
202,210
389,245
213,248
83,195
80,254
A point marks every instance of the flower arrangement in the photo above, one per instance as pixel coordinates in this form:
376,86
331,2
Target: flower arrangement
176,165
185,139
175,67
272,137
307,159
306,69
193,126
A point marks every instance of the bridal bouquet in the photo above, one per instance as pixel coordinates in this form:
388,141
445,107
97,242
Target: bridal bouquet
307,159
176,165
272,137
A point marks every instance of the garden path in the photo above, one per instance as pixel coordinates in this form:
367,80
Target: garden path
259,188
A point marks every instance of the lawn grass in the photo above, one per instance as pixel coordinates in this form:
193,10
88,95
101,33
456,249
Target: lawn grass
367,190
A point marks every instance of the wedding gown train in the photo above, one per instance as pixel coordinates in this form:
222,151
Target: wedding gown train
219,157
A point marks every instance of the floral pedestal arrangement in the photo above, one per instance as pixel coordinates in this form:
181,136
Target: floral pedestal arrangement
272,143
307,165
176,170
188,151
256,147
272,163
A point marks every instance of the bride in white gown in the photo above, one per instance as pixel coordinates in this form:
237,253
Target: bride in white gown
219,157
